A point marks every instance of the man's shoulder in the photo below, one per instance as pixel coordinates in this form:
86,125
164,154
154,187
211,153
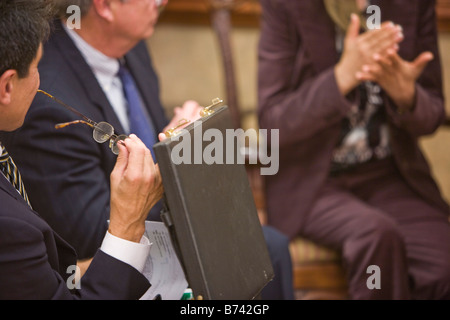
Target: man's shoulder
15,214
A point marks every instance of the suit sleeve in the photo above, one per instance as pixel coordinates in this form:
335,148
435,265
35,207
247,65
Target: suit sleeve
25,271
65,179
299,108
429,110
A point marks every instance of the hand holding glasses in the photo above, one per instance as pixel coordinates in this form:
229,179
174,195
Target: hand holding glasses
102,131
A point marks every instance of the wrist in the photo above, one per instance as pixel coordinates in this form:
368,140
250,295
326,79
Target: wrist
345,79
130,232
405,99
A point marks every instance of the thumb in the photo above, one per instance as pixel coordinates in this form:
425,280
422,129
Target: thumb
422,60
353,27
162,136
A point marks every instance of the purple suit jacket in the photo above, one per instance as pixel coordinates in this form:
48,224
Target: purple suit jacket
299,96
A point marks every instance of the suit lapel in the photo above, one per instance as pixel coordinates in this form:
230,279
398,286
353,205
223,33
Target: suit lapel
11,190
86,77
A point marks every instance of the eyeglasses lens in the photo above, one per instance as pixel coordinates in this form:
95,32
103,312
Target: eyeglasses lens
103,131
113,143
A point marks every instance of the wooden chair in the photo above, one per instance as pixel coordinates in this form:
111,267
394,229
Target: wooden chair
317,270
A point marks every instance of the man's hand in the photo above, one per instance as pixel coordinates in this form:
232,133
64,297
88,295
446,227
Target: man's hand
396,76
359,50
136,186
190,111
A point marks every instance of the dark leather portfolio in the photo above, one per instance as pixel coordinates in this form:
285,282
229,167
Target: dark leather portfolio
211,214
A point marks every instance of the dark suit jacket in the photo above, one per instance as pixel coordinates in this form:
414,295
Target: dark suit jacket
299,96
34,260
67,165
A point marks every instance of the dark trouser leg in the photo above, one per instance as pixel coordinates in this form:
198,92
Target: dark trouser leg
281,287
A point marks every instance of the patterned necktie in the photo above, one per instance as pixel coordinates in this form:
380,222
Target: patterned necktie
140,124
9,169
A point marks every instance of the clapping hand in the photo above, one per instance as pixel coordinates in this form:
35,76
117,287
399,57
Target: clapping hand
396,76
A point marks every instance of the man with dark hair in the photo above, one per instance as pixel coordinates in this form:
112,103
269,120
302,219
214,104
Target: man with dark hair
35,262
20,43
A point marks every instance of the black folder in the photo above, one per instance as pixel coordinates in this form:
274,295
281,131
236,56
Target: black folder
211,214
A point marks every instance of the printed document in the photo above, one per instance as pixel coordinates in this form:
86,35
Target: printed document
162,269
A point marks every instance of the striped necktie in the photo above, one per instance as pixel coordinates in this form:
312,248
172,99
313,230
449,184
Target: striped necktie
9,169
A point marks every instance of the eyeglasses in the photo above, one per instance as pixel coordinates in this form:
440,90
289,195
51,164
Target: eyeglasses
102,131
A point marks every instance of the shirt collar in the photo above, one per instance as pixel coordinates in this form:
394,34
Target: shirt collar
104,67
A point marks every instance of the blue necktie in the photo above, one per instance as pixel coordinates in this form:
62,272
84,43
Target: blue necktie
140,124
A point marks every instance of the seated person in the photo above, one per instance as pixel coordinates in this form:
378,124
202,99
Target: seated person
350,105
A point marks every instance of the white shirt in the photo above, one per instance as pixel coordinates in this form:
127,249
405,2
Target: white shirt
133,253
105,70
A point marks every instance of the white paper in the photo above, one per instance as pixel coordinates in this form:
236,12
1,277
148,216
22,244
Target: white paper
162,268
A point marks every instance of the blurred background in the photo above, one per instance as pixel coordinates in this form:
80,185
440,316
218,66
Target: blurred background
187,55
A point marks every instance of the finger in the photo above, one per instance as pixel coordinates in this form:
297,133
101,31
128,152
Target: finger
148,171
374,69
156,175
365,76
158,180
369,73
383,39
192,110
384,61
176,111
394,58
137,150
353,28
422,61
162,136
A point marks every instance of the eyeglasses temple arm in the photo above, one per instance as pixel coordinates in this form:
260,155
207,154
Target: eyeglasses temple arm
91,122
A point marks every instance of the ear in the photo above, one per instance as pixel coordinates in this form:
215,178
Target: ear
103,9
7,86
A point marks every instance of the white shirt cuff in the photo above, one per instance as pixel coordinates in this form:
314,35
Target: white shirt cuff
132,253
